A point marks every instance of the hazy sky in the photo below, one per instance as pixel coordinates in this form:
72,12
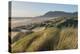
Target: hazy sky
29,9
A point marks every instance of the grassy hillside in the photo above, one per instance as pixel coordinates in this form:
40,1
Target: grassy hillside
55,34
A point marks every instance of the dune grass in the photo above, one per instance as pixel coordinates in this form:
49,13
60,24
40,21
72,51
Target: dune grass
68,38
49,39
22,44
43,42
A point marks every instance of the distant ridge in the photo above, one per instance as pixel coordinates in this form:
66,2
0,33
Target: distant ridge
58,13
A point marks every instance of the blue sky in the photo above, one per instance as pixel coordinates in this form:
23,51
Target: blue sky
29,9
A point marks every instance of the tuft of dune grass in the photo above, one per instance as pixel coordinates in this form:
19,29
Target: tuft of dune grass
44,40
68,38
22,44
